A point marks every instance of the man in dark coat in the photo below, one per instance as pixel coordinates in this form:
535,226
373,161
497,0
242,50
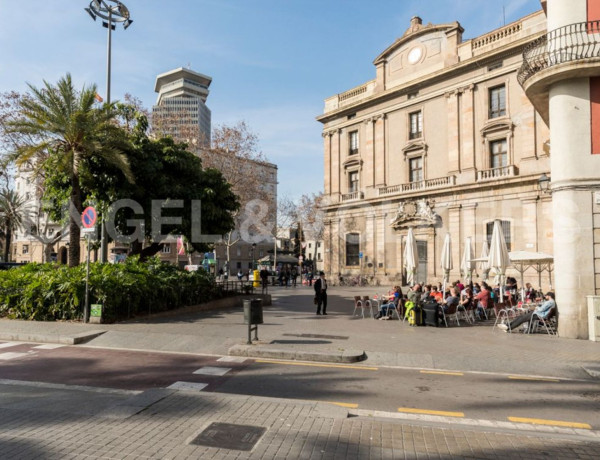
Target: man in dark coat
321,293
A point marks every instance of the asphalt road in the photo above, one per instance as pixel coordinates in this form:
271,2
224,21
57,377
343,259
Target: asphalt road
560,402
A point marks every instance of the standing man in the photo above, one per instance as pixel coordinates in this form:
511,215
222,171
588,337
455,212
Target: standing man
321,293
264,277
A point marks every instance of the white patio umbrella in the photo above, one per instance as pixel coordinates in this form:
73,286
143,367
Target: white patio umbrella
498,259
484,265
411,257
467,265
446,259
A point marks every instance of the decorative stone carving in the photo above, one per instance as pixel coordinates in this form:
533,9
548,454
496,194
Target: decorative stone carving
414,213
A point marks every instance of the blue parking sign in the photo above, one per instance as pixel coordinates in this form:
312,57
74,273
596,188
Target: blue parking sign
360,255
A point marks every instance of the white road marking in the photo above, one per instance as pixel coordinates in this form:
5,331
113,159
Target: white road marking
49,346
208,370
188,386
231,359
9,344
11,355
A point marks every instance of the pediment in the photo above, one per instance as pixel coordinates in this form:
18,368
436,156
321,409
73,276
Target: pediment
352,161
416,33
417,144
497,124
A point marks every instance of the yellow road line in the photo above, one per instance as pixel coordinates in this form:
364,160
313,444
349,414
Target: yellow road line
442,373
540,421
430,412
348,405
340,366
536,379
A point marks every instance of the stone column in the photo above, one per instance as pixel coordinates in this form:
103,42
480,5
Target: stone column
381,242
379,146
336,167
453,132
370,237
456,235
327,162
529,222
467,157
368,175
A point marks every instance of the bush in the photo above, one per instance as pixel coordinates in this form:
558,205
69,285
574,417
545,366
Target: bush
49,292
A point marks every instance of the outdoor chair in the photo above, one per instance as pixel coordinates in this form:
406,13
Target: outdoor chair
503,317
549,323
358,303
452,313
368,303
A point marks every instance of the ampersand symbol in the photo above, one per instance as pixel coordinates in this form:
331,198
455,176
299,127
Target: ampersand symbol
254,219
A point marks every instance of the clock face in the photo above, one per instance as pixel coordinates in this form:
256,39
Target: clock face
414,55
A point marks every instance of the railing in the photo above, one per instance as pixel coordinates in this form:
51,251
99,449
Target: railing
419,185
353,93
496,173
352,196
496,35
569,43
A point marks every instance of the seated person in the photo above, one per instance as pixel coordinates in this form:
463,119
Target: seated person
450,303
543,311
466,300
530,293
437,295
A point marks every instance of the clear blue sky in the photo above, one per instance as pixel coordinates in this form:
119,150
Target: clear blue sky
273,62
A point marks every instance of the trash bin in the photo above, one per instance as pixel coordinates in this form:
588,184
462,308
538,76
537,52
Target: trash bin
594,317
96,313
253,311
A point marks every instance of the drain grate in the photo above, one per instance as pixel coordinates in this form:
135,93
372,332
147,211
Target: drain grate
229,436
318,336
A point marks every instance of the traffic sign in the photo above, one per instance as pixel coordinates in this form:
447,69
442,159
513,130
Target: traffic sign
360,255
88,217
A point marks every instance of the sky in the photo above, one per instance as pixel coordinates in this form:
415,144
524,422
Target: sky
272,62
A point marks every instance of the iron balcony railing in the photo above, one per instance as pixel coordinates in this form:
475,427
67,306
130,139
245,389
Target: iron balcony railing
570,43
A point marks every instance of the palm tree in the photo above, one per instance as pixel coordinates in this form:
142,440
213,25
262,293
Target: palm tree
13,210
66,129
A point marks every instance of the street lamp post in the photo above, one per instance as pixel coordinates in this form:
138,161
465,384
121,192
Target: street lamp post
113,12
253,259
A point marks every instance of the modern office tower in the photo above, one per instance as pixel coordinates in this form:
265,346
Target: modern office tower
180,108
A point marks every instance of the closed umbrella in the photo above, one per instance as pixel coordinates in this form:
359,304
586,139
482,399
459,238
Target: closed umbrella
411,257
498,259
484,264
467,265
446,259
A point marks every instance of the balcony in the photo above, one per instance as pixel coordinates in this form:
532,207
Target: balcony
571,51
428,184
496,173
352,196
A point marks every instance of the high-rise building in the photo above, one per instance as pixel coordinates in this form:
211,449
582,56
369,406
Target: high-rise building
180,108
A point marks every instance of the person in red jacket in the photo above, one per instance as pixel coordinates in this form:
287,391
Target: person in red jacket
484,299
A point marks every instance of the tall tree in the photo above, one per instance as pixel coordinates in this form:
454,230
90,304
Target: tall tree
62,127
235,153
13,211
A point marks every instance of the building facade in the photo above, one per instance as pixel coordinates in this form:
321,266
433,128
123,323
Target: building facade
180,108
442,140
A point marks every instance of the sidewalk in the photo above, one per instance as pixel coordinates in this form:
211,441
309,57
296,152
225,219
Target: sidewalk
46,421
292,328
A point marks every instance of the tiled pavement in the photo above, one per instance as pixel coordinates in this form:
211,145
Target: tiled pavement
169,420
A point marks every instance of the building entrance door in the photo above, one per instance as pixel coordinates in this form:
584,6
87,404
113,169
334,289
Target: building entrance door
422,271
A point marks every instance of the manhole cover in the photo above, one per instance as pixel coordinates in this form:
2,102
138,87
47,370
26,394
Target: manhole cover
318,336
229,436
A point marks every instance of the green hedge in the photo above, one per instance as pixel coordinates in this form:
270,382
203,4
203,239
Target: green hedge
47,292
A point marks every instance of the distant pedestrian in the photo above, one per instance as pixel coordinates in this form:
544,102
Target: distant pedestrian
264,278
294,276
240,275
321,293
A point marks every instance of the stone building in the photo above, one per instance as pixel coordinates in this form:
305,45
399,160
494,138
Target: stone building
443,140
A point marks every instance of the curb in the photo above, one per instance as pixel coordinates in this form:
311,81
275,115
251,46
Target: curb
594,371
73,339
254,351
